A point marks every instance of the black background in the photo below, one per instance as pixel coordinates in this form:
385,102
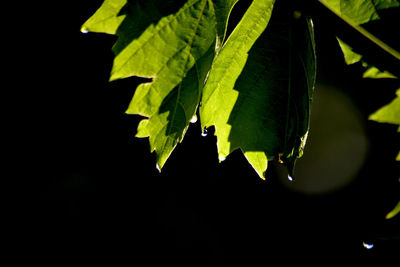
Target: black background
91,191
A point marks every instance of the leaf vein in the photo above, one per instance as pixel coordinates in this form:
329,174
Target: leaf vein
172,19
185,65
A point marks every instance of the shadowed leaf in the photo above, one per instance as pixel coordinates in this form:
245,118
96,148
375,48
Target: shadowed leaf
351,57
259,89
394,212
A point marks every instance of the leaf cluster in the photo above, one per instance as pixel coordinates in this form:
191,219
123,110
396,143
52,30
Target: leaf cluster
253,84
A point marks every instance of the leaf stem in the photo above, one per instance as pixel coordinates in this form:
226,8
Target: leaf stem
364,32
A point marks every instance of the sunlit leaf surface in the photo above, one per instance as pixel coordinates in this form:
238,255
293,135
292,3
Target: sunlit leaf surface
389,113
359,11
171,42
260,86
254,86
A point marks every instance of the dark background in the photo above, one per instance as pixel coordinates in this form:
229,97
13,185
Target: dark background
93,193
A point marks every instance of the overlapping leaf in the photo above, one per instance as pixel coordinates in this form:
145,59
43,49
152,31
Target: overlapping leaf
359,11
351,57
389,113
173,43
259,89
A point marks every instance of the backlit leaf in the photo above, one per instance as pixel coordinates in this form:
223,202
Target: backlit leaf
259,89
389,113
351,57
359,11
374,73
171,42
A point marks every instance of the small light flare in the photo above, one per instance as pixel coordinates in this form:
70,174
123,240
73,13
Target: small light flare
368,245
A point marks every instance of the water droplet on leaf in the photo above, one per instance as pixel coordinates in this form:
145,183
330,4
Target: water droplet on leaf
290,178
158,167
204,133
84,30
368,245
194,119
221,158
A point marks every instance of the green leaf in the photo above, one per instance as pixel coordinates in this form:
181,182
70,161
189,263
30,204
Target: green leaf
359,11
258,91
394,212
374,73
356,12
383,4
106,18
175,50
219,98
389,113
350,57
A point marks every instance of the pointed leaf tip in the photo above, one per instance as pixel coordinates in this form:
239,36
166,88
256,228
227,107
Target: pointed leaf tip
259,162
394,212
